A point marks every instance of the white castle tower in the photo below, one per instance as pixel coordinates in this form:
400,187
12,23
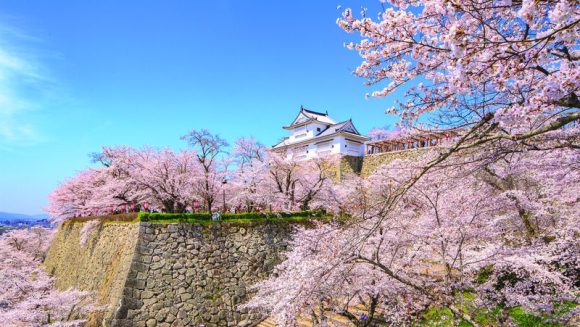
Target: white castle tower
314,134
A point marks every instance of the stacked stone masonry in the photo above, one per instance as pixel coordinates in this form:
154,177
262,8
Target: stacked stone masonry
101,265
176,274
368,164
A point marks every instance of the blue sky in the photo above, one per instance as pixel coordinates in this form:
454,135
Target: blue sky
76,75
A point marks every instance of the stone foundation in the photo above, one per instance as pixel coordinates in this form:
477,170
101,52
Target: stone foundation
368,164
101,265
155,274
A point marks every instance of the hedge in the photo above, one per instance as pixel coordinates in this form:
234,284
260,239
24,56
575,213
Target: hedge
157,216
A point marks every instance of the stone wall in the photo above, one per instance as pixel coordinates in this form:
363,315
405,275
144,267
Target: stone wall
349,165
185,275
100,265
154,274
372,162
366,165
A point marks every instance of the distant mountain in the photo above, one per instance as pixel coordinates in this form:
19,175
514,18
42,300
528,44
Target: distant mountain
9,216
18,219
41,216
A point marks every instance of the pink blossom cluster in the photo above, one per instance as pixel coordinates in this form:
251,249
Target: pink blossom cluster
147,178
504,231
28,296
164,180
465,59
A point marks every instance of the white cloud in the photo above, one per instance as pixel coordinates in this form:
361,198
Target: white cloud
24,89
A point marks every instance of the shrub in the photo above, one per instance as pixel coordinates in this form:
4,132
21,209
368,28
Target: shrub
145,216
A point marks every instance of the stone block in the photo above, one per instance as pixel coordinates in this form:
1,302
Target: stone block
147,294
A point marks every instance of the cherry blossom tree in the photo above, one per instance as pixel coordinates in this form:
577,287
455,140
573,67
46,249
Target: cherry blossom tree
163,177
489,221
208,147
34,242
382,133
159,179
73,197
314,187
293,184
251,161
120,166
502,232
508,70
28,296
248,152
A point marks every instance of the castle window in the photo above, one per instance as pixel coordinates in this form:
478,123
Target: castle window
318,129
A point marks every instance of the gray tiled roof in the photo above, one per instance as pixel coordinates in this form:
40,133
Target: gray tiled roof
305,115
345,126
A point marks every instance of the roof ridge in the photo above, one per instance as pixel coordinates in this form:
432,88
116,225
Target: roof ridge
314,112
342,122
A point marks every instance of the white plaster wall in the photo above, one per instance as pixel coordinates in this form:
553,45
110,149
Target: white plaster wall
349,148
339,145
355,149
298,134
305,132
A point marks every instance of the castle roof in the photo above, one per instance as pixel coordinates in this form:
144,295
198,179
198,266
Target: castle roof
306,116
345,126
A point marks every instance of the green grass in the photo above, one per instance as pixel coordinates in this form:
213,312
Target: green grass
484,274
441,316
526,319
437,317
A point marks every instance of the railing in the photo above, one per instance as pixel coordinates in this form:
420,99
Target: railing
417,141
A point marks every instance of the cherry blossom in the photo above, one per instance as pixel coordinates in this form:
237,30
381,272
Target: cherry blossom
209,147
508,68
28,296
511,220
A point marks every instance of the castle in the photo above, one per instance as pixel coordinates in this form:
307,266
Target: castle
314,134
